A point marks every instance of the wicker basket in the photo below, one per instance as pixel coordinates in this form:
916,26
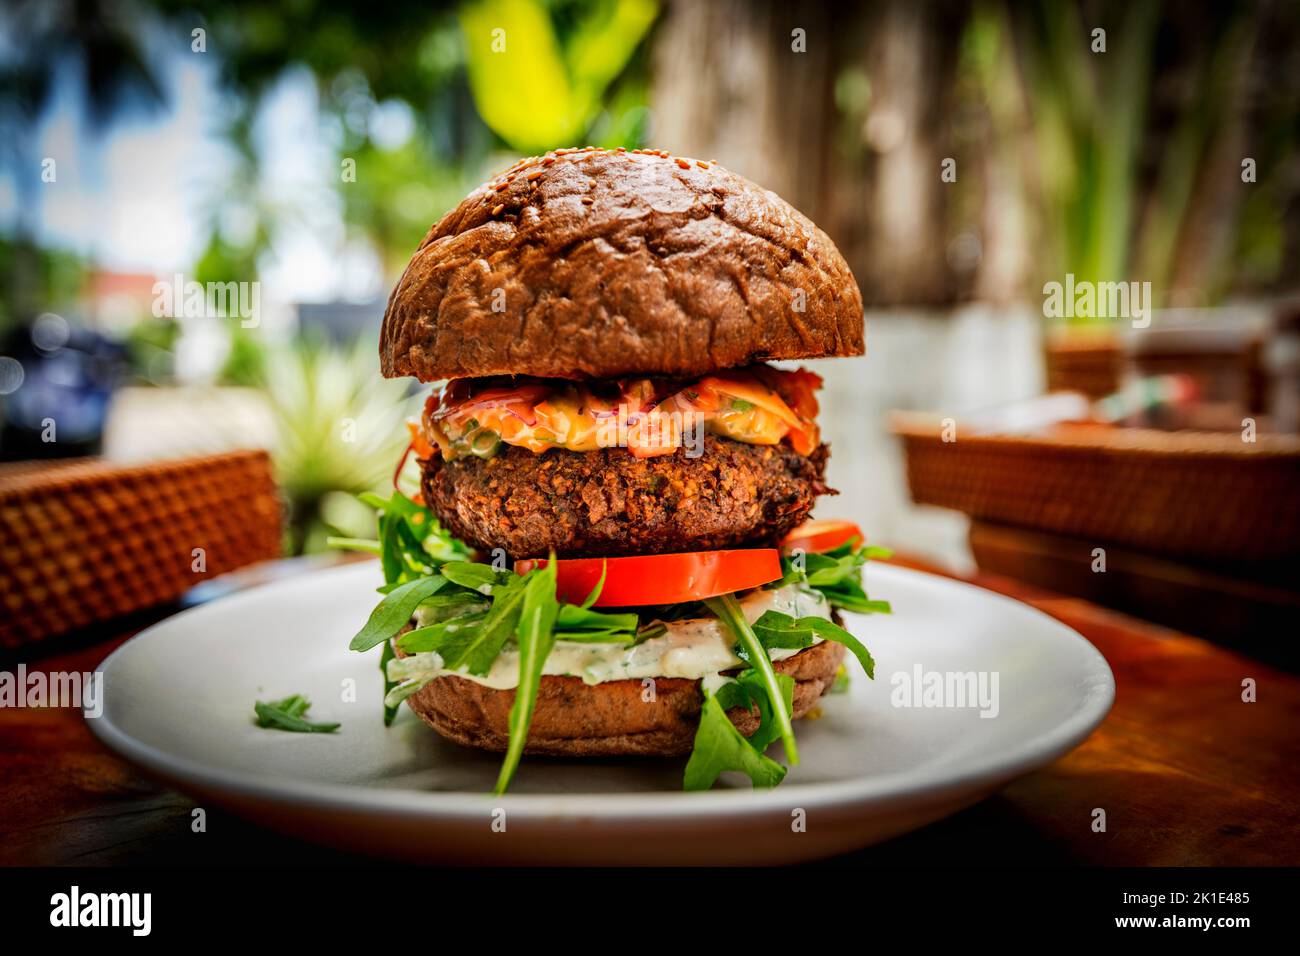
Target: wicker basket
1186,494
87,541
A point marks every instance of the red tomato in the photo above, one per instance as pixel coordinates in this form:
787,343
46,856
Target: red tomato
661,578
822,536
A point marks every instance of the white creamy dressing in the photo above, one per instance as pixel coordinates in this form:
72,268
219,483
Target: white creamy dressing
692,649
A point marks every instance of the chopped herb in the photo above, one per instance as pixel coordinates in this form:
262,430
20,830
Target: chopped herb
287,715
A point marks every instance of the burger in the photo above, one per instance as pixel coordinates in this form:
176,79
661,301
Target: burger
607,548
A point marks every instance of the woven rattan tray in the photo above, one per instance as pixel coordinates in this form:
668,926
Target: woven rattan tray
1187,494
87,541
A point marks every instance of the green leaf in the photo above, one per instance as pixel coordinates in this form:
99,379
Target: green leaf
450,638
287,715
476,648
747,691
776,630
576,619
412,542
719,747
353,544
536,636
833,632
729,612
534,92
517,75
385,656
395,610
600,586
837,574
476,577
390,549
597,637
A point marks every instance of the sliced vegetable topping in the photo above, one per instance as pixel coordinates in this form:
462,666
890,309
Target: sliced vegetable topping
822,536
760,406
662,578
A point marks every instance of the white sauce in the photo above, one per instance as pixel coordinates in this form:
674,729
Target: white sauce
692,649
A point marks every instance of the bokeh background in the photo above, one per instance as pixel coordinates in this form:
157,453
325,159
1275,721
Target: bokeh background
308,145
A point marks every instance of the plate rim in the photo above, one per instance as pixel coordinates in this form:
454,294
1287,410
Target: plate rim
556,808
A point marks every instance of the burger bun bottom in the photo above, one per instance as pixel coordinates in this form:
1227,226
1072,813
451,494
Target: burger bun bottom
615,718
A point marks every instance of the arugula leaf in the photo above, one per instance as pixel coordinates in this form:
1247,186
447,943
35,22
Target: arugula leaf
838,575
452,603
536,636
450,638
585,626
391,557
395,610
479,646
412,542
729,612
776,630
719,746
748,691
833,632
653,629
475,577
385,656
600,586
287,715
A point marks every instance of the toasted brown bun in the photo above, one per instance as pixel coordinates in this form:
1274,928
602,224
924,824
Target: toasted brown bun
591,263
604,720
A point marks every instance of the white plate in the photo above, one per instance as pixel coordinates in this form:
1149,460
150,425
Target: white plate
179,701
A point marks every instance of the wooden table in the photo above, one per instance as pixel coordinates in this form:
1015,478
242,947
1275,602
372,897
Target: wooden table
1186,771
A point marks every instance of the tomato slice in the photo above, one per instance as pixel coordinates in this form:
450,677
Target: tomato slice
661,578
820,536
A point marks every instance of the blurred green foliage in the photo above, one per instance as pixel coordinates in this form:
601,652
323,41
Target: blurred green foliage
151,350
339,431
535,88
1118,168
36,279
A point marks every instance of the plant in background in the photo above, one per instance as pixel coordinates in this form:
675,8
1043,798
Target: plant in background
339,429
151,349
537,86
1116,150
